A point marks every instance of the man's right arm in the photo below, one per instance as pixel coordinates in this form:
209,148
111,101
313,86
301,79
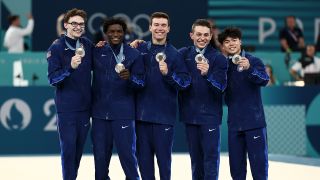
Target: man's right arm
28,29
137,76
57,73
136,43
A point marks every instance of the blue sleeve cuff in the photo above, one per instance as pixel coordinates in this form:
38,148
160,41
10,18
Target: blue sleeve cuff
54,81
137,81
216,84
260,75
184,83
250,70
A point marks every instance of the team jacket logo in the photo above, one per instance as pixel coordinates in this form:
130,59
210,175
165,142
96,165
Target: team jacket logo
15,114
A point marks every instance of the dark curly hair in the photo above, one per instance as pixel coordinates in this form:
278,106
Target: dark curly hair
232,32
111,21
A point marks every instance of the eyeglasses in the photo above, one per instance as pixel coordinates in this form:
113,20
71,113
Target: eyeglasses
75,24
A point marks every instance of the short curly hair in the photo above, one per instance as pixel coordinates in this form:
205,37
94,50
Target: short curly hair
111,21
74,12
232,32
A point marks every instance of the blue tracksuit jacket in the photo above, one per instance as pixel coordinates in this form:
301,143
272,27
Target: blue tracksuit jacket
73,86
243,96
157,102
201,103
113,97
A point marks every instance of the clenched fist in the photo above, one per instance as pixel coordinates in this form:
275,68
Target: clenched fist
203,67
75,61
163,67
124,74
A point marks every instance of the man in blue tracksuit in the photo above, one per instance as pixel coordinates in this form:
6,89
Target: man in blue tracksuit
201,104
70,72
247,132
113,108
157,102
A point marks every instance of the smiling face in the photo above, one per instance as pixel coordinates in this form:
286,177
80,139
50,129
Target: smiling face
75,27
231,46
159,29
201,36
115,34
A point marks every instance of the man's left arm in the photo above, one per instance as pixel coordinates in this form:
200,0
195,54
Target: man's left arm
137,73
217,74
28,29
177,75
256,71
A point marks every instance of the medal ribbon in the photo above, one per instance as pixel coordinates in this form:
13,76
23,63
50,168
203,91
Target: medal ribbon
70,47
120,57
295,38
201,51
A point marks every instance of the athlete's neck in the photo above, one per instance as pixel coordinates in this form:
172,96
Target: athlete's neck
116,48
157,42
115,45
72,37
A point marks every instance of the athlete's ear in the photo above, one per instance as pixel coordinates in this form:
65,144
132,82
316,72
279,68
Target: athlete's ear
191,35
168,29
211,35
65,25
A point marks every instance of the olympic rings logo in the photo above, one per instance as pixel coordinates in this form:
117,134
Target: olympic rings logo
140,32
